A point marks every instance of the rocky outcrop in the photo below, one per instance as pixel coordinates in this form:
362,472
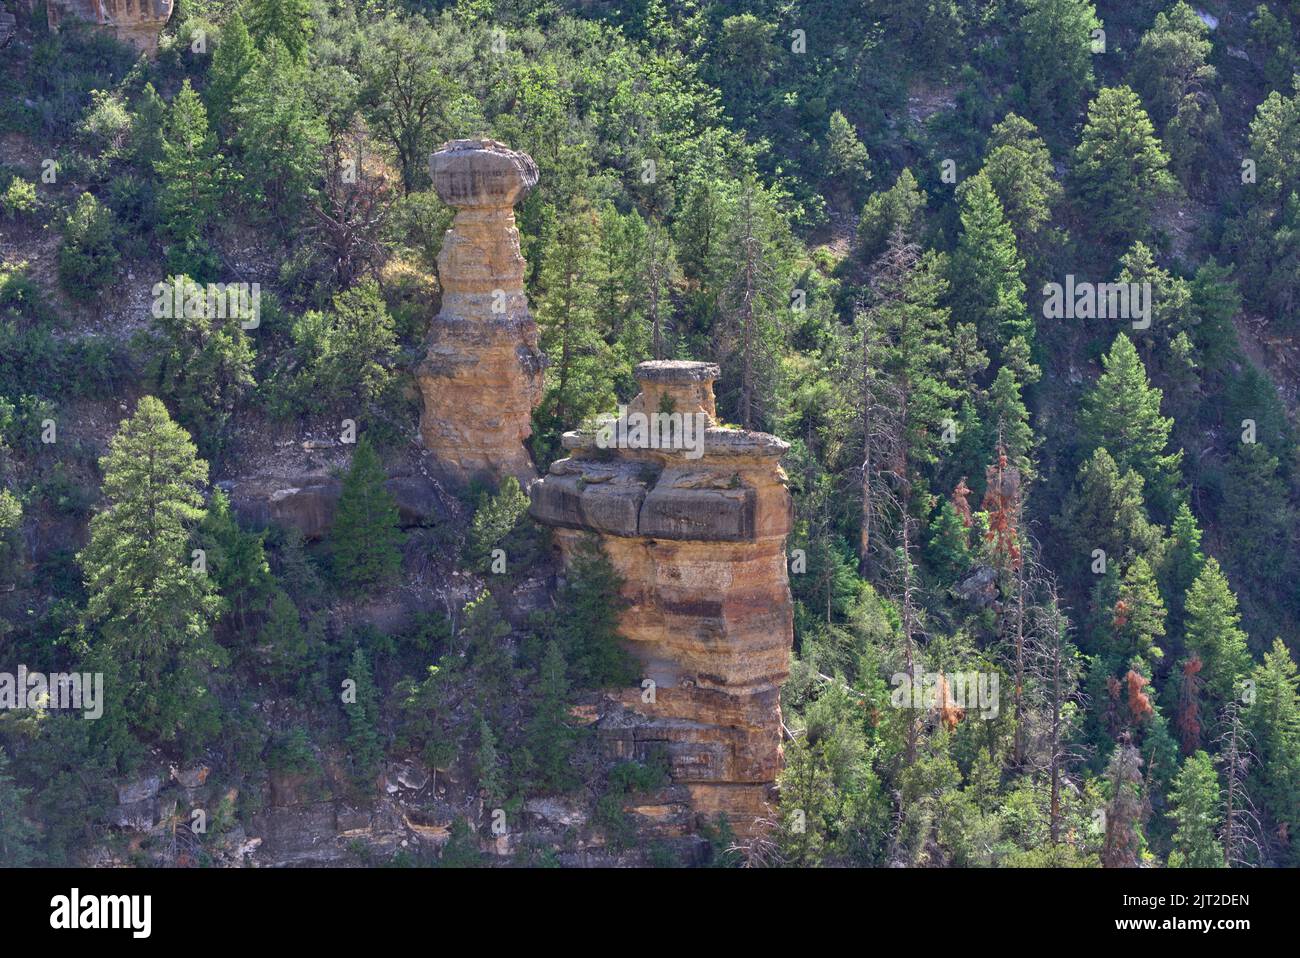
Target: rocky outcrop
137,22
307,502
696,525
481,377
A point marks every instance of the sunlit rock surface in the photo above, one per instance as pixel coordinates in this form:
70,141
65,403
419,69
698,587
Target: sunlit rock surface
698,536
137,22
481,376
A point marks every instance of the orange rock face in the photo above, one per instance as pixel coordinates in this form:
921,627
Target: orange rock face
481,377
137,22
697,530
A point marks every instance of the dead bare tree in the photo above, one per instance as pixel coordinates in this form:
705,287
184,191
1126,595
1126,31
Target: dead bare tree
881,402
1052,673
658,268
744,301
1241,827
349,212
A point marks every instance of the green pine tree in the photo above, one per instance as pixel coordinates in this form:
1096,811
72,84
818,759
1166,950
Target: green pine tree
1120,168
1139,613
1170,63
203,365
147,606
1183,562
987,271
1106,513
231,70
285,642
1019,168
365,749
899,207
949,550
365,539
1213,633
280,136
236,561
287,21
11,518
17,835
501,522
579,380
914,352
1195,801
1257,513
491,780
484,641
847,160
148,128
1004,414
549,739
1122,415
1056,64
193,178
1273,720
585,621
89,254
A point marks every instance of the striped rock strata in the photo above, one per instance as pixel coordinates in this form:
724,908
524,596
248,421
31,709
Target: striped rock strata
137,22
481,376
698,536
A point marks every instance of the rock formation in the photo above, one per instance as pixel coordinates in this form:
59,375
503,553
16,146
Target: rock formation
698,535
137,22
482,373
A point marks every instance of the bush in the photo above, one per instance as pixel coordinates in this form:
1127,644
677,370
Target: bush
89,256
11,517
133,199
501,522
19,200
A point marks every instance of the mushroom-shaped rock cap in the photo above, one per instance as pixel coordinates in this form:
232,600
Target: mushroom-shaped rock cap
481,173
676,372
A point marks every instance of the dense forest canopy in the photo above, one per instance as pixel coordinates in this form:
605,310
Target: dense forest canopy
1015,279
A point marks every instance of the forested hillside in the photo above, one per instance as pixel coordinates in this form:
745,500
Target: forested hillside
1018,281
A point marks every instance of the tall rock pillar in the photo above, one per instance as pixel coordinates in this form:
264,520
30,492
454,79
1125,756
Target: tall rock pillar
696,526
481,377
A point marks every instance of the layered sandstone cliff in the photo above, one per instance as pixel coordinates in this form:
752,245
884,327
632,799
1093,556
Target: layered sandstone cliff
698,535
137,22
481,377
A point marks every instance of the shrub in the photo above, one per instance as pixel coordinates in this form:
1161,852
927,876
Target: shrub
19,200
89,256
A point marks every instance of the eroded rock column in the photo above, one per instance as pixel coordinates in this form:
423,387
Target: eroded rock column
137,22
697,530
481,377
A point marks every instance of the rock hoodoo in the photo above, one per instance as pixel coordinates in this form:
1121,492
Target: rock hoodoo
481,377
137,22
696,525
